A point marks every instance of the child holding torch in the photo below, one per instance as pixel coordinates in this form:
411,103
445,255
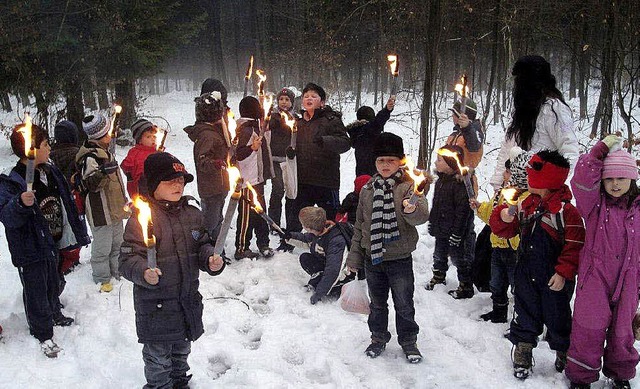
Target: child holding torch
144,132
166,299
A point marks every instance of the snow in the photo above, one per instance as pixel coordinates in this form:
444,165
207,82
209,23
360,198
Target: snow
280,340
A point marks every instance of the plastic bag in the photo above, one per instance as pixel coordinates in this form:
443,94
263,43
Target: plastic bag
290,177
354,297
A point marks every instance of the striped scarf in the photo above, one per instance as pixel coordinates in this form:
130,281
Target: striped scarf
384,225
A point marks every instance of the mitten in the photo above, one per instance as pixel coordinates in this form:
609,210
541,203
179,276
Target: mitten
286,235
109,167
454,240
613,142
290,152
314,299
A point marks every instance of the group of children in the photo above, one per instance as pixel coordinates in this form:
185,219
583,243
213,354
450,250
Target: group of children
537,235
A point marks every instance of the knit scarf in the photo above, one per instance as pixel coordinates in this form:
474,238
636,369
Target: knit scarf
384,225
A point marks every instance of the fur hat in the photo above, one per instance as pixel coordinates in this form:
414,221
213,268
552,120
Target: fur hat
212,85
620,164
250,108
139,127
95,126
547,170
17,139
471,109
209,107
317,88
360,181
286,92
313,217
451,162
519,159
365,113
163,166
388,144
65,132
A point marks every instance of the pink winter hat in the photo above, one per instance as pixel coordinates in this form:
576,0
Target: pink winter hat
620,164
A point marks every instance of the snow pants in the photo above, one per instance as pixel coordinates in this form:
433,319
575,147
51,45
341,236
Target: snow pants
462,256
249,221
165,364
105,251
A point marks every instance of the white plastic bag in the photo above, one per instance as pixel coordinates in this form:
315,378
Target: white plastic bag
290,177
354,297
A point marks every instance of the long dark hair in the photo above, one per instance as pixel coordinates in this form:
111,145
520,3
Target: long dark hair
532,85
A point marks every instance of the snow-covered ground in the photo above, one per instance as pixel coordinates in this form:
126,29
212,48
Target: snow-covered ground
280,340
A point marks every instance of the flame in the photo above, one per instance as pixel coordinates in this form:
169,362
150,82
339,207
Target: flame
249,69
262,78
416,175
232,125
144,218
289,121
27,134
458,88
393,64
510,195
116,110
462,88
234,175
266,102
254,200
448,153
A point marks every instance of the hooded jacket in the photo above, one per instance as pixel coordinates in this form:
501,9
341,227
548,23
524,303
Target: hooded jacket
211,147
450,213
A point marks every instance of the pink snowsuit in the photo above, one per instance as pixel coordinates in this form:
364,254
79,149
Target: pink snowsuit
607,289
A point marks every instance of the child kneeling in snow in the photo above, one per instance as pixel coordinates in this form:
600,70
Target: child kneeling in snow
166,299
324,263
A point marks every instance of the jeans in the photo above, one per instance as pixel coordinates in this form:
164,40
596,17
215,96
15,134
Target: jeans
503,264
165,364
396,276
212,213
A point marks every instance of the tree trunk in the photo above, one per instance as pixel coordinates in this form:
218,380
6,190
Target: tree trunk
75,107
217,57
359,81
608,68
103,97
6,102
126,97
494,64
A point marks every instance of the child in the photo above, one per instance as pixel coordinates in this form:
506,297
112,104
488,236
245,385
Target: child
254,163
347,210
604,184
382,246
38,223
451,223
144,133
105,199
166,299
467,132
504,251
551,237
324,263
362,133
280,140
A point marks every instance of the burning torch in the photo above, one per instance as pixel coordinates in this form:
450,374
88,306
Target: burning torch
247,77
265,101
393,66
463,90
464,171
160,146
420,181
235,181
255,205
511,197
144,218
112,127
290,122
29,151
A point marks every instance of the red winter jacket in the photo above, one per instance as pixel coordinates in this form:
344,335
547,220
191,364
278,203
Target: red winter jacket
133,166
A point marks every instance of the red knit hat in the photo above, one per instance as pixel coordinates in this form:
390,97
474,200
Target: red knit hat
620,164
543,174
361,181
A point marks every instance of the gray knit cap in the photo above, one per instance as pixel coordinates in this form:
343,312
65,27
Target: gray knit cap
95,126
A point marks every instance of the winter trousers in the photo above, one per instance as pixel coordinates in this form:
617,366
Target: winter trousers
212,213
310,195
396,276
105,251
40,290
462,256
503,264
314,266
277,191
248,220
165,364
602,327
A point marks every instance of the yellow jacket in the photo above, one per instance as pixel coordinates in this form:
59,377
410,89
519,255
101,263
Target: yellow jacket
484,213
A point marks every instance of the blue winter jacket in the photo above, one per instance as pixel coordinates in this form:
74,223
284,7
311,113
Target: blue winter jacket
27,231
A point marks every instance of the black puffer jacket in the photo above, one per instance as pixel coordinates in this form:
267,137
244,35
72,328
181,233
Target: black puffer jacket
450,213
320,141
280,133
362,134
172,309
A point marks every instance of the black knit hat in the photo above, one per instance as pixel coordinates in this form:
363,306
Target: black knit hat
534,69
471,109
365,113
139,127
317,88
163,167
17,139
250,108
286,92
388,144
66,132
209,107
212,85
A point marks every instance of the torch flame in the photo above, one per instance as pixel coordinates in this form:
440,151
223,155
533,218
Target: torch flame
144,218
510,196
267,102
448,153
262,78
462,88
393,64
416,175
289,121
116,110
232,123
27,135
254,200
249,69
234,175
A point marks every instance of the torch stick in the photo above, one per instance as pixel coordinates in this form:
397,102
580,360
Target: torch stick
270,222
29,151
112,130
463,93
393,65
31,168
162,140
234,177
152,262
417,193
247,77
466,178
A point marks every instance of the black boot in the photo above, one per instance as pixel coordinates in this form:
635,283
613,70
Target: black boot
464,291
579,386
497,315
412,353
439,277
522,360
61,320
621,384
561,361
375,349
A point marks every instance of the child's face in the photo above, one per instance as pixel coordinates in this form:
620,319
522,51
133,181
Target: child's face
148,138
312,231
506,176
388,166
616,187
170,190
284,103
42,152
311,101
105,140
442,167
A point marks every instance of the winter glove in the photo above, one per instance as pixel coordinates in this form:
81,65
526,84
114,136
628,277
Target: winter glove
314,299
286,235
318,140
290,152
454,240
109,167
613,142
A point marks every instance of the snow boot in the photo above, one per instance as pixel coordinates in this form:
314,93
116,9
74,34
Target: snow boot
561,361
266,252
412,353
240,254
621,384
106,287
464,291
439,277
579,386
49,348
522,360
61,320
375,349
497,315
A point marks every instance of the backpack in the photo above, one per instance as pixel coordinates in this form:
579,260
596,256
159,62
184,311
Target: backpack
346,229
79,187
